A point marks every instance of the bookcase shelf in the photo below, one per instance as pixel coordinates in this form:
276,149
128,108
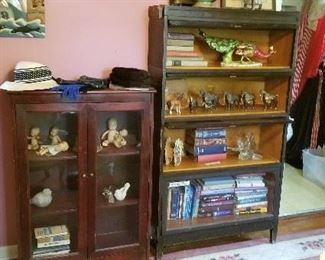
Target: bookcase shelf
212,222
189,165
123,151
33,157
185,87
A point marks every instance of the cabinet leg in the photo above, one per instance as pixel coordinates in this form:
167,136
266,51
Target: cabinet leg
273,235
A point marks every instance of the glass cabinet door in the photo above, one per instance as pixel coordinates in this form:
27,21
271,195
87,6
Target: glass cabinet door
117,134
50,144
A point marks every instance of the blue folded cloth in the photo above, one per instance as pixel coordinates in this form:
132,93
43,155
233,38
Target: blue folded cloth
69,91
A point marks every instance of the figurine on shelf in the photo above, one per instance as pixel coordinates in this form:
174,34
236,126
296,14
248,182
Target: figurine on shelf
209,100
178,152
51,150
246,147
108,194
34,139
247,100
227,47
231,101
54,136
253,4
113,136
174,151
120,194
192,103
42,199
270,101
169,151
175,104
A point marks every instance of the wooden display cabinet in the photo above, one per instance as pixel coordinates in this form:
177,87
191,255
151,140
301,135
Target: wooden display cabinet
78,176
268,125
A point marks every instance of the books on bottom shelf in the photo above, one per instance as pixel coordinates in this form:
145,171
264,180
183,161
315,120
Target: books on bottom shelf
214,197
51,240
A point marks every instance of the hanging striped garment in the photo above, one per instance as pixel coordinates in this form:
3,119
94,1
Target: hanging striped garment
316,122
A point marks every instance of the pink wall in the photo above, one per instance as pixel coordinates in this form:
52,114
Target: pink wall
82,37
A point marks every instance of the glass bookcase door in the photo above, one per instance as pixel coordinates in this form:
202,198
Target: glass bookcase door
117,166
52,180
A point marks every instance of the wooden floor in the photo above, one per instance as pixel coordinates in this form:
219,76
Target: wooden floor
287,225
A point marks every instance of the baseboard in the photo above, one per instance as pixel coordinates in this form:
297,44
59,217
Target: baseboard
8,252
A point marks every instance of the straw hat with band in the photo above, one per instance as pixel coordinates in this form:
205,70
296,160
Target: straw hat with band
30,76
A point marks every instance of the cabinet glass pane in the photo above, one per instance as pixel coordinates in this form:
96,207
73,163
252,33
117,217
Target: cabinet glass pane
53,181
219,199
117,178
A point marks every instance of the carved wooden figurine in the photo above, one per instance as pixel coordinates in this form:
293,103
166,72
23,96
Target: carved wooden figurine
247,100
169,151
34,139
231,101
270,101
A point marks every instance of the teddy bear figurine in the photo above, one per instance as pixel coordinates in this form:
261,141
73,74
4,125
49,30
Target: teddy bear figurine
114,136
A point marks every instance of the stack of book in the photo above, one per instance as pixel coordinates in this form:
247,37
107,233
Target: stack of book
250,194
180,51
216,197
206,144
52,240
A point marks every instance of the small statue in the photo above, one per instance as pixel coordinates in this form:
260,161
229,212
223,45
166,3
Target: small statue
231,101
42,199
113,136
270,101
227,47
174,151
51,150
54,136
178,152
108,194
175,104
192,103
120,194
209,100
169,151
247,100
253,4
34,139
246,147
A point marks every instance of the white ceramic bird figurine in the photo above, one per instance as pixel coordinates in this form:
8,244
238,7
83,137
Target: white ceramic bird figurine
120,194
42,199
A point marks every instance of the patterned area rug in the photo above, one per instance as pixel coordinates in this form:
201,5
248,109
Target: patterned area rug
291,247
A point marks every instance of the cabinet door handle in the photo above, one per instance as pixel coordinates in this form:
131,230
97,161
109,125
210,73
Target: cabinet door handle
84,175
92,175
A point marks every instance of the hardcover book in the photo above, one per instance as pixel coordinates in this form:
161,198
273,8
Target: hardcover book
180,36
187,63
188,202
205,141
50,231
206,133
182,54
206,158
174,42
218,213
180,48
175,202
206,149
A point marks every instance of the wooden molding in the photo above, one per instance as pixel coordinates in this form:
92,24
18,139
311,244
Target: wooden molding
8,252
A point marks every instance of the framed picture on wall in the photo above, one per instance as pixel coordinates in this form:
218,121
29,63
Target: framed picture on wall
251,4
22,18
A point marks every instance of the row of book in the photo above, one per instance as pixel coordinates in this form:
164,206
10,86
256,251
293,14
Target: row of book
216,197
51,240
206,144
180,51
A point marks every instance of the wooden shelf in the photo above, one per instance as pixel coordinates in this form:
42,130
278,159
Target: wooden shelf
123,151
115,239
264,71
200,114
64,202
68,155
189,165
103,203
173,225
